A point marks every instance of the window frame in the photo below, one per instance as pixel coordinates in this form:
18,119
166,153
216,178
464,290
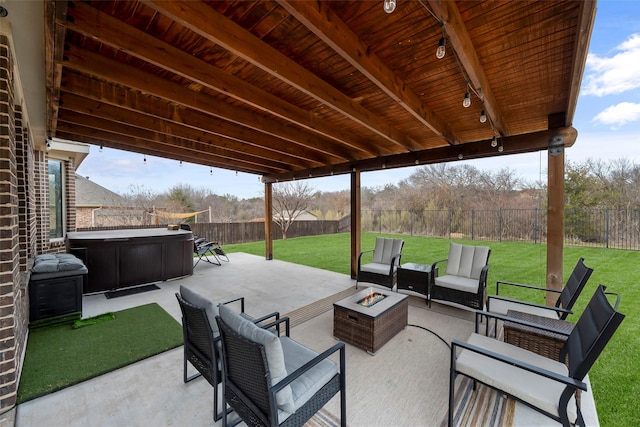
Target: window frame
59,236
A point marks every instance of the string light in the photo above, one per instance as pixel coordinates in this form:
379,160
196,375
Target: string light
144,158
441,50
460,156
483,117
500,148
211,171
389,6
494,142
100,149
180,163
466,102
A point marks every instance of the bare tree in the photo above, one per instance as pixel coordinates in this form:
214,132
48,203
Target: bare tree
290,200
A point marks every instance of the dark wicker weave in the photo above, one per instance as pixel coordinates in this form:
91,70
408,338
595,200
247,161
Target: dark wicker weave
544,342
366,332
473,300
246,385
201,345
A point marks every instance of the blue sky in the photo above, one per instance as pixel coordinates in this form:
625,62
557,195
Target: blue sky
607,119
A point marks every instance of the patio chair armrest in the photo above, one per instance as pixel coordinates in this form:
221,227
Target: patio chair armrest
433,266
275,315
480,314
395,261
529,304
241,299
522,285
514,362
276,324
310,364
360,256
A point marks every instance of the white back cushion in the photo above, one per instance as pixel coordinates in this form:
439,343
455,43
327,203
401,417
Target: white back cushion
385,249
466,261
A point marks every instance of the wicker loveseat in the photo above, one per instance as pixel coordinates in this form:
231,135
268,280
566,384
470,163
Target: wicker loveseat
465,278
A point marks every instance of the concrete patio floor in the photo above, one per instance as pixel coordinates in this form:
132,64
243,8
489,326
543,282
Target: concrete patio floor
151,392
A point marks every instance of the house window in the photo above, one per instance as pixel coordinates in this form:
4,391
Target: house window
56,205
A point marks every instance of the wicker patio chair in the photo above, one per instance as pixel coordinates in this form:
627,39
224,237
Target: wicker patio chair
202,339
271,380
543,384
384,266
566,298
465,278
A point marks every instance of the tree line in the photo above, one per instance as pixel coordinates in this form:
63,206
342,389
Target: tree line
590,184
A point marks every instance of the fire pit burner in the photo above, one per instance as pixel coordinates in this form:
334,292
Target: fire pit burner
371,299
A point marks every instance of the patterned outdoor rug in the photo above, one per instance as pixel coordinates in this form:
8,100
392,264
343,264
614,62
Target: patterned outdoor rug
480,407
323,418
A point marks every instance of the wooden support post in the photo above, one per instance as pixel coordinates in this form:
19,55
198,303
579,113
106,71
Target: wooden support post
268,220
555,217
355,222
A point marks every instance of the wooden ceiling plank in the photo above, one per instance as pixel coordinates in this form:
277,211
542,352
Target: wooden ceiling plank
138,119
448,13
119,35
110,70
328,27
54,35
105,130
198,17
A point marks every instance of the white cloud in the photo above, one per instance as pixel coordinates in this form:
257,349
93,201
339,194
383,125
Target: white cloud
616,74
619,114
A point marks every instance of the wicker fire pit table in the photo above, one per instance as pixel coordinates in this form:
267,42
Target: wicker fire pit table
370,318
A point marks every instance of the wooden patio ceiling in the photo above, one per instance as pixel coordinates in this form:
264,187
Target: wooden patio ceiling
292,89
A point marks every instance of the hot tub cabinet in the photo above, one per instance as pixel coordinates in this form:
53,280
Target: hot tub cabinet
124,258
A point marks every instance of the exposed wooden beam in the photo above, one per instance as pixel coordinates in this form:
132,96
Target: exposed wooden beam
121,36
148,143
54,36
100,67
120,116
198,17
134,101
585,28
447,12
517,144
327,26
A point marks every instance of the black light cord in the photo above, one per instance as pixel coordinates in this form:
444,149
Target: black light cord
429,330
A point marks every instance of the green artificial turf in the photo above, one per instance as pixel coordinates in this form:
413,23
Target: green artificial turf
615,377
59,356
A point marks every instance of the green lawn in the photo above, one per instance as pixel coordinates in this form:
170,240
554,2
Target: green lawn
614,377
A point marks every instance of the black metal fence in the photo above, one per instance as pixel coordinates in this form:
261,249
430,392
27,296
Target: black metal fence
608,228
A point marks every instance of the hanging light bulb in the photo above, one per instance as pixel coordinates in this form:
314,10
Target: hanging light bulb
100,149
144,159
494,142
483,117
180,163
236,173
466,102
211,171
460,156
500,148
441,50
389,6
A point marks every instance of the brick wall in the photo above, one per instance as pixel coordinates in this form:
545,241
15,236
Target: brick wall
13,327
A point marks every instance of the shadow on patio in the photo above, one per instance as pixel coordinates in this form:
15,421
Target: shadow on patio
404,383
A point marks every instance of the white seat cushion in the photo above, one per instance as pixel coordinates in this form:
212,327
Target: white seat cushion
459,283
377,268
466,261
309,383
500,306
535,389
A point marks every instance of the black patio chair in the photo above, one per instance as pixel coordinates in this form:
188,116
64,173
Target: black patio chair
202,339
566,298
203,249
271,380
383,268
543,384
